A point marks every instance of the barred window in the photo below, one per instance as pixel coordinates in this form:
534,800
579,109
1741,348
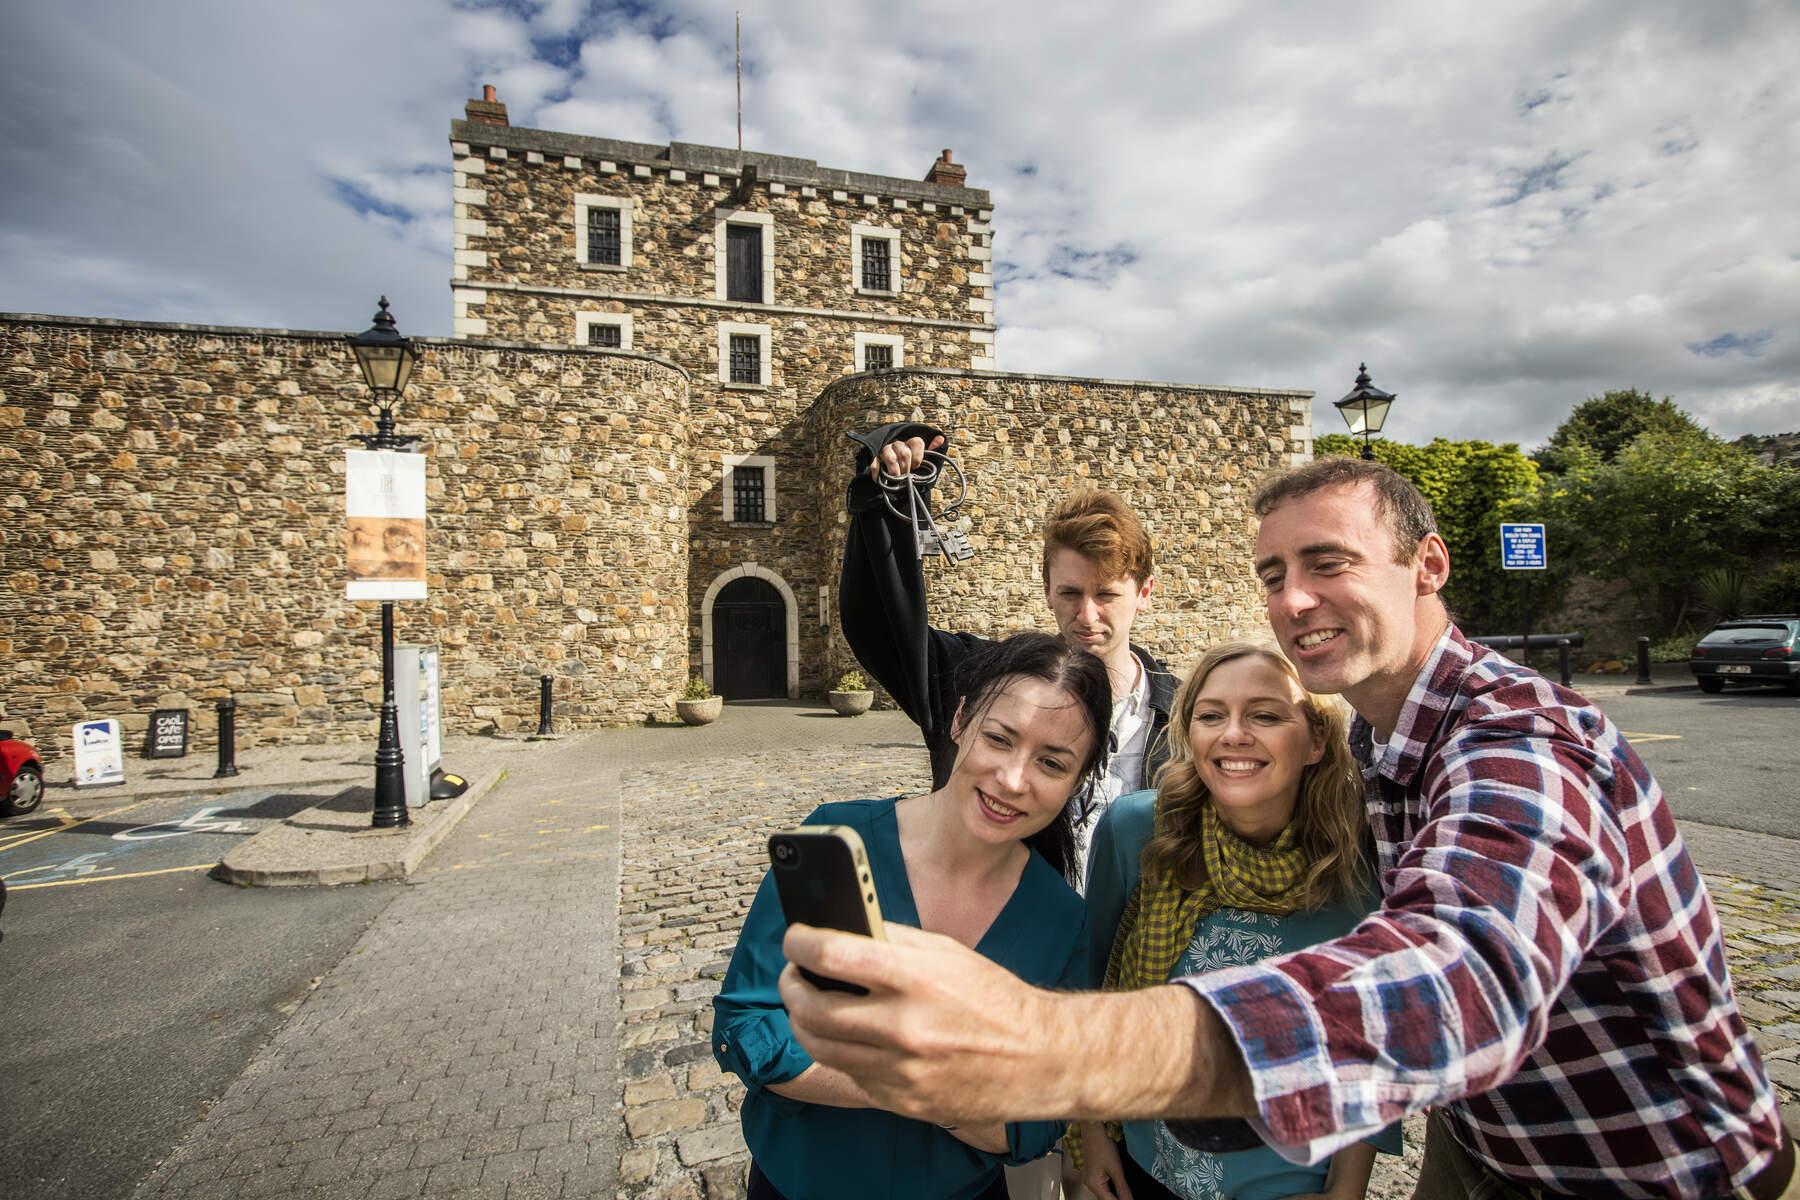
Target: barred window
603,242
607,335
747,494
875,274
877,358
746,359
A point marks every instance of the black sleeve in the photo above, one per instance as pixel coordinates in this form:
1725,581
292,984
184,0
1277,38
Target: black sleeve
881,593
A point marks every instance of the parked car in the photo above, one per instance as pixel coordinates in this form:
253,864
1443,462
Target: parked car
21,776
1755,649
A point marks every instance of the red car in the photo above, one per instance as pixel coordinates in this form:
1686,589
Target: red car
21,776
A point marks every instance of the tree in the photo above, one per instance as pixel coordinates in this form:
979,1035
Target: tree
1601,427
1673,504
1472,487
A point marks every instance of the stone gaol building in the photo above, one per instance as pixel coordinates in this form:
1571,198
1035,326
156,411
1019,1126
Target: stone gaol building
636,457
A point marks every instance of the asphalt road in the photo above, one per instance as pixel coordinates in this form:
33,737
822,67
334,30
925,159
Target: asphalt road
133,989
1730,760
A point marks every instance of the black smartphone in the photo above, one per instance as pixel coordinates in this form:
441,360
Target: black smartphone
822,878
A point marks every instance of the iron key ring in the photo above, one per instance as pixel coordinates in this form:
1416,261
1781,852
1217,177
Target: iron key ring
917,511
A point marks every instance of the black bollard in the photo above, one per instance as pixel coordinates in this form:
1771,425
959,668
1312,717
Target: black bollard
543,706
1643,679
227,739
1562,658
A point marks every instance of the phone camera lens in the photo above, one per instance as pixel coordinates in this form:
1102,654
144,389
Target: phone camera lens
783,852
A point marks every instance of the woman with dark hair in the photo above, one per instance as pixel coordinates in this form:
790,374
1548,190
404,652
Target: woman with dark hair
1252,845
985,859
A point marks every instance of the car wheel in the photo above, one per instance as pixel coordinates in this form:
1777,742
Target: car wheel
1793,686
26,791
1711,687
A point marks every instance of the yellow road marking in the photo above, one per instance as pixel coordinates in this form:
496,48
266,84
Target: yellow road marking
20,887
24,835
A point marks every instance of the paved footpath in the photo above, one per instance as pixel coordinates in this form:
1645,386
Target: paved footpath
531,1017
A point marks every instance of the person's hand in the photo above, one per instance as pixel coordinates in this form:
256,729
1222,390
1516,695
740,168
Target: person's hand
1103,1165
947,1035
944,1034
899,457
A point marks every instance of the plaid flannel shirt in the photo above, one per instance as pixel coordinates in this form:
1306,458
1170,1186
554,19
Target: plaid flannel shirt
1546,962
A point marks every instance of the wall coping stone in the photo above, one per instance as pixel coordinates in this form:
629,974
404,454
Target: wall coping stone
447,343
1142,385
692,157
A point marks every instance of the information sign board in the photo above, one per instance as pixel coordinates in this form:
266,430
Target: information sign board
168,733
1522,548
99,754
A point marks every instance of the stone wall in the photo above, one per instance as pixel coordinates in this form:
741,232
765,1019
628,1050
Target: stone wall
1187,459
175,514
518,274
1611,615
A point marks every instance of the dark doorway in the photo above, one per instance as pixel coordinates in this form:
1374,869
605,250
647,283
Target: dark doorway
750,641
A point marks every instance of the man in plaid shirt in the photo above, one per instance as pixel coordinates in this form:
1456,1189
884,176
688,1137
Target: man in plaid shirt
1546,971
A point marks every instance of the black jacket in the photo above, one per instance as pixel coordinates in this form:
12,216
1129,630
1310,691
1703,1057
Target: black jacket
881,605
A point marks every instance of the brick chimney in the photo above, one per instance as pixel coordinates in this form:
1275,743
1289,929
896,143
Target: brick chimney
942,171
487,110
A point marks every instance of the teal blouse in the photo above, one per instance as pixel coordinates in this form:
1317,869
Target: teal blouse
814,1151
1229,937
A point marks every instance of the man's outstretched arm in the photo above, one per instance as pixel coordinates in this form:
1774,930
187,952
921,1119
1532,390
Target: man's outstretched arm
947,1035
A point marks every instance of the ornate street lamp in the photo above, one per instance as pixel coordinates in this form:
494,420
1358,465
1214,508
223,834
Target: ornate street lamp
1365,409
387,361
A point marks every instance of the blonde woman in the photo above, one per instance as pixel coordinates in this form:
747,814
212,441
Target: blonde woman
1251,846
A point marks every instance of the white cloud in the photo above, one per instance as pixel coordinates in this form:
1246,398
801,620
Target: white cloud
1503,209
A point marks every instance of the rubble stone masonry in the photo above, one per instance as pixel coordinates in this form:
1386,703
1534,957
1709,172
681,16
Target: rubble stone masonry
173,524
1187,458
174,517
521,197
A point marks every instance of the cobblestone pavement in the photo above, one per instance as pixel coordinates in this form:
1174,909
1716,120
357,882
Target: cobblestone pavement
530,1017
692,858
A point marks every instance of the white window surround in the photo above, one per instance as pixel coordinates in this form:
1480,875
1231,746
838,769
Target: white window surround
586,320
862,233
583,202
726,329
748,462
734,216
793,621
880,339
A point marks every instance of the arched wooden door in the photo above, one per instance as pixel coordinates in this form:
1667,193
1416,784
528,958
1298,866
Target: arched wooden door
749,640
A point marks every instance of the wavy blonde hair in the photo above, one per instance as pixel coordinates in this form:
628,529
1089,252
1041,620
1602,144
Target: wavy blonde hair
1328,816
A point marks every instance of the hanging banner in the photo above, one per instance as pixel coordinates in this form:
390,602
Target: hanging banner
384,499
99,754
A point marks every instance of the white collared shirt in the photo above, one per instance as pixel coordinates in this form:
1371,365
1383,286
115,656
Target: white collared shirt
1128,737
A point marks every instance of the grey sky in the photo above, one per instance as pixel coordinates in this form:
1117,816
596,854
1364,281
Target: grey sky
1504,209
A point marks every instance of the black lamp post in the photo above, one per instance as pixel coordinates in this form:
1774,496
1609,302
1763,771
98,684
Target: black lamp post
1365,409
387,361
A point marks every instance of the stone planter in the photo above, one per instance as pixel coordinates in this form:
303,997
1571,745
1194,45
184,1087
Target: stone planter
700,712
852,704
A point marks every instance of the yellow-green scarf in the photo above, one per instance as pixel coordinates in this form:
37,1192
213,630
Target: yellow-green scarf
1160,917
